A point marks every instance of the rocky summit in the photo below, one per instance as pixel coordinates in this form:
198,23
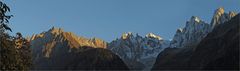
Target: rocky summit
57,35
191,34
59,50
220,16
196,29
136,51
217,50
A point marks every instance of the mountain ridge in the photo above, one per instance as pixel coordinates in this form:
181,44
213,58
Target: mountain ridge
137,52
218,50
196,29
56,49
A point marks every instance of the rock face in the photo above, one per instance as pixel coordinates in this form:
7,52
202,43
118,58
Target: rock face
220,17
191,34
57,35
196,29
59,50
218,50
138,52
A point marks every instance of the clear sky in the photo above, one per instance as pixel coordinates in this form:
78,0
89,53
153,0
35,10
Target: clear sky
109,19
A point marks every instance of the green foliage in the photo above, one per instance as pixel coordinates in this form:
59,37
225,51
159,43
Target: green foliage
11,57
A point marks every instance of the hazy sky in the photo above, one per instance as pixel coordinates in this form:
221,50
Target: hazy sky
109,19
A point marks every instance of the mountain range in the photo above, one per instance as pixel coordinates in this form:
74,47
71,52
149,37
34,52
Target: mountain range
59,50
190,48
218,50
138,52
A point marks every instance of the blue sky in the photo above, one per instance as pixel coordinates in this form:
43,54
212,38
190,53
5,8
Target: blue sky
109,19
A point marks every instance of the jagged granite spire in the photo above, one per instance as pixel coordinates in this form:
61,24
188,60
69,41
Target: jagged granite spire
220,17
151,35
57,38
127,35
196,29
192,33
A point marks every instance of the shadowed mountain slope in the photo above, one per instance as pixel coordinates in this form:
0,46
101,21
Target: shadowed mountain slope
219,50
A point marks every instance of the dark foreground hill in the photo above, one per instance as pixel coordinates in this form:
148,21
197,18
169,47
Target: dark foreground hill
99,59
89,59
219,50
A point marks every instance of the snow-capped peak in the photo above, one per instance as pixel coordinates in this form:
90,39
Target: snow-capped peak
220,17
219,11
196,29
139,49
127,35
151,35
192,33
195,19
